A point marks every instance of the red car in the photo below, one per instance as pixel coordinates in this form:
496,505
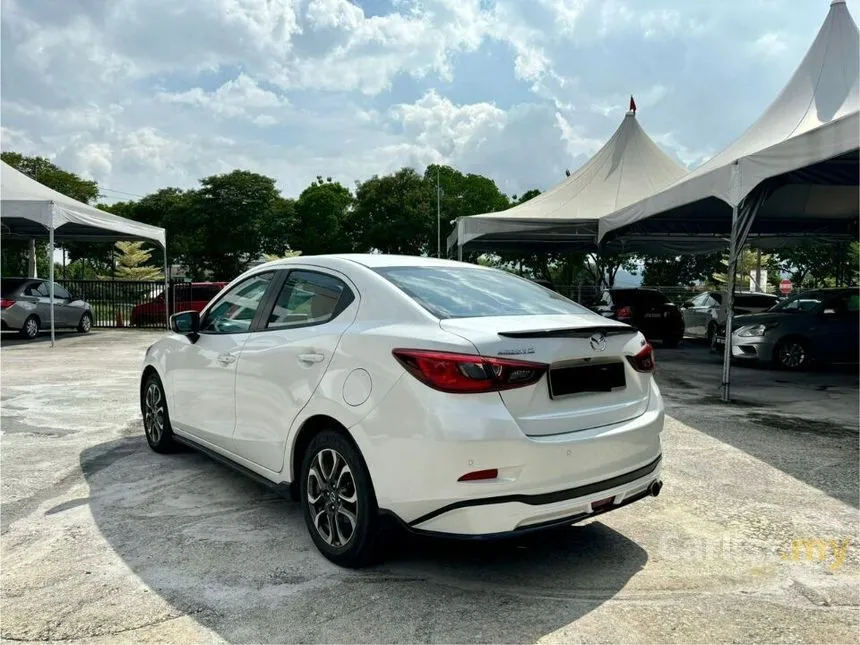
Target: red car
185,296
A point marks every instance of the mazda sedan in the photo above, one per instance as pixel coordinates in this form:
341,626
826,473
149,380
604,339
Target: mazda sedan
453,399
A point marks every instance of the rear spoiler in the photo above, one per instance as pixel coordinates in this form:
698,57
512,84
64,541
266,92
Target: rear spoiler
573,332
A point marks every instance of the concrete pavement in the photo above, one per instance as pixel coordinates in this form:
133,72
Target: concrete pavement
104,541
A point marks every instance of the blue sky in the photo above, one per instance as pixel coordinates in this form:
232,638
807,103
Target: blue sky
142,94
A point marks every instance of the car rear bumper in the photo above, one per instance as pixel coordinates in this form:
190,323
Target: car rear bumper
417,449
515,514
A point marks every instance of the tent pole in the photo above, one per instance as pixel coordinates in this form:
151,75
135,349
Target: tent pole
166,287
730,289
51,274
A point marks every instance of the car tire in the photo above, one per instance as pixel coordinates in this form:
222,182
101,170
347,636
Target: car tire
338,501
156,418
86,323
792,354
30,330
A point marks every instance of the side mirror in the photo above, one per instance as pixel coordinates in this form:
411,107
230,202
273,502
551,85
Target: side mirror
686,304
185,322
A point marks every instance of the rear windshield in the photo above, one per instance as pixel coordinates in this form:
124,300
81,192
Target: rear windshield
455,292
639,297
8,286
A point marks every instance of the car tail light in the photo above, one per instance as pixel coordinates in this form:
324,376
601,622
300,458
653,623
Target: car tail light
644,361
624,312
468,373
5,303
480,475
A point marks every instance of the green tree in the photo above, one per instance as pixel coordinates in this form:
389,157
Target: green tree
682,270
322,219
819,265
603,269
461,195
747,261
131,262
392,214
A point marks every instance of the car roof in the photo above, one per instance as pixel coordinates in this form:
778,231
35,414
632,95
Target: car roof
369,260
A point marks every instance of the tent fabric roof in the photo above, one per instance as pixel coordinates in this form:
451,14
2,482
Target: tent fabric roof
814,118
627,168
28,209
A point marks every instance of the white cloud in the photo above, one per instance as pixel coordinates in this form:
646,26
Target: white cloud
146,93
769,44
237,97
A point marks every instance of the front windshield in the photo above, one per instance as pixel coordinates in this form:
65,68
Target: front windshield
801,302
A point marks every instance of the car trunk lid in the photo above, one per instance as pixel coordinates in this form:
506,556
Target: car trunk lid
589,383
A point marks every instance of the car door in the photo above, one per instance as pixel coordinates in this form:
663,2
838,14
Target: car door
67,315
284,362
203,373
697,314
835,336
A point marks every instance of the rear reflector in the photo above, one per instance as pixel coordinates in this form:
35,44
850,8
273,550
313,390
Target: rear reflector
5,303
468,373
478,475
644,361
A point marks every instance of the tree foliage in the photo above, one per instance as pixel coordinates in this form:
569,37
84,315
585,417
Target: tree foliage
682,270
322,215
131,262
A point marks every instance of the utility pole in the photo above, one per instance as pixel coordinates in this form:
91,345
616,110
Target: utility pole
438,216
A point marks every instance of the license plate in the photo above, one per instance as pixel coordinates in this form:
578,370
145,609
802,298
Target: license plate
598,377
653,315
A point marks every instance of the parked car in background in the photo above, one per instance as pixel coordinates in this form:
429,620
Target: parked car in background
449,398
814,326
25,307
186,296
705,313
648,310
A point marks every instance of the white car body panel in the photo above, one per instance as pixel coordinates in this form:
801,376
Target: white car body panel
415,440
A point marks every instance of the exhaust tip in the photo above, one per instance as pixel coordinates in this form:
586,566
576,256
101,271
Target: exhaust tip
655,488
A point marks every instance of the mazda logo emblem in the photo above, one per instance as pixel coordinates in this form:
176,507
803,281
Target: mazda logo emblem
598,342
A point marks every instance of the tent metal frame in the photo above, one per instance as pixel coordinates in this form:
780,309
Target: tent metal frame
51,239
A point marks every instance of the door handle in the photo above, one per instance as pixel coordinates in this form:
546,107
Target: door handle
311,358
226,359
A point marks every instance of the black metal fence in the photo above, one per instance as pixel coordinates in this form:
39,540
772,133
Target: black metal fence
133,303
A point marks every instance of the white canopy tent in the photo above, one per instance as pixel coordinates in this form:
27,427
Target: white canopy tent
627,168
793,174
30,210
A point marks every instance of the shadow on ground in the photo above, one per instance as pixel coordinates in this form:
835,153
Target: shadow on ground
805,424
239,559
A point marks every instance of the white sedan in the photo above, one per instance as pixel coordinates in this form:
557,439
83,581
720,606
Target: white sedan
454,399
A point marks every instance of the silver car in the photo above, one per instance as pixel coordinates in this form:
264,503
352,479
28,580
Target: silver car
822,326
707,312
25,307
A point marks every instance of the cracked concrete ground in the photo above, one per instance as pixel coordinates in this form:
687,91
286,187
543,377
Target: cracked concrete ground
104,541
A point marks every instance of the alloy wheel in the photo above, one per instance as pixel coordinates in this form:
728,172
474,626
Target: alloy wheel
86,323
31,328
792,355
332,497
153,418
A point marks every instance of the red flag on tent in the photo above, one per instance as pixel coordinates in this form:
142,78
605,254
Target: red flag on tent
632,104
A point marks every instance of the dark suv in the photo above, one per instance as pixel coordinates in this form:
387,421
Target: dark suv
646,309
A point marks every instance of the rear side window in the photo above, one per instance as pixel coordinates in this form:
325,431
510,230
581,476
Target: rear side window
308,298
455,292
8,286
